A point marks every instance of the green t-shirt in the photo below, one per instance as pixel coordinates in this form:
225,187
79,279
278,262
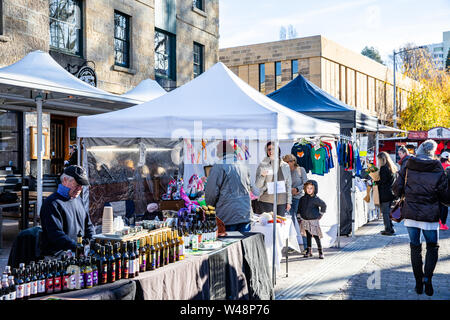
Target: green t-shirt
318,158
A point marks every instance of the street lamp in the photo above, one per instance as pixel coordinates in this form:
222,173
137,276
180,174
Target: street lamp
395,84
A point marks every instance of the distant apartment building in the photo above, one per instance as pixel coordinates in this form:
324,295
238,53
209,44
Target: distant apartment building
350,77
440,51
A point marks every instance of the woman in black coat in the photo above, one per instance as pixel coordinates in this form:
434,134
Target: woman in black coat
424,184
388,171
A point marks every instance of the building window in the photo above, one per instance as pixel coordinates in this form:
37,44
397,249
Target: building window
199,4
9,140
165,55
65,26
121,39
294,69
262,78
198,59
277,75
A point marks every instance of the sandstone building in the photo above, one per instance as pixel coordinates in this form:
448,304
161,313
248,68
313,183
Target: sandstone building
123,42
350,77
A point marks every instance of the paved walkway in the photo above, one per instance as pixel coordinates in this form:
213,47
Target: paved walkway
368,267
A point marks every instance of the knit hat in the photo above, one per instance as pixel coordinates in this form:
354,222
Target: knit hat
152,207
427,148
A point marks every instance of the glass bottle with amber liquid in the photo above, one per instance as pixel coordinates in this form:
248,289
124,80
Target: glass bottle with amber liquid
181,247
176,240
125,261
162,245
152,253
157,251
167,245
79,251
103,271
171,247
147,253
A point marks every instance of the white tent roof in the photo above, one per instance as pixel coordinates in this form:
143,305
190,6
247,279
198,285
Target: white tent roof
146,90
38,71
219,99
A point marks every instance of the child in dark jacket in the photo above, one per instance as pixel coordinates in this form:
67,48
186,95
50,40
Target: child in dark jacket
310,215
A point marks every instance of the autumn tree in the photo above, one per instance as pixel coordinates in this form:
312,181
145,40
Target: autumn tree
429,99
372,53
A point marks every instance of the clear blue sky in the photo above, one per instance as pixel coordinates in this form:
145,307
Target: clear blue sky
383,24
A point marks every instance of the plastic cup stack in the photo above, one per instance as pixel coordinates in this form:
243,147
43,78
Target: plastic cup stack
107,221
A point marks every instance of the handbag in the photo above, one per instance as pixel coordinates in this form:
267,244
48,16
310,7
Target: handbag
396,212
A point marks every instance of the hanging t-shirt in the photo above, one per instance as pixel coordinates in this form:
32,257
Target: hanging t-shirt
302,153
318,158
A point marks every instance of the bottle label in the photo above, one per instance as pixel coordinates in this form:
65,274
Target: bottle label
81,280
157,258
143,264
119,269
136,266
88,280
104,274
181,250
65,284
20,291
95,277
41,286
73,281
27,291
34,287
126,264
113,272
12,295
131,265
57,284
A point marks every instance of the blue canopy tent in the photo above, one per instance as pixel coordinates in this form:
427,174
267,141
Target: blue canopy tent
305,97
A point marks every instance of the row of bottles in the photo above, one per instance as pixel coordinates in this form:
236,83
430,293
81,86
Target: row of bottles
99,265
198,226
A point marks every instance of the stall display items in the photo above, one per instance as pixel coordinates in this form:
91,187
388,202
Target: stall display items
314,156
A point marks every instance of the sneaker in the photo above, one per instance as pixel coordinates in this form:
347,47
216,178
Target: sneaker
442,226
387,233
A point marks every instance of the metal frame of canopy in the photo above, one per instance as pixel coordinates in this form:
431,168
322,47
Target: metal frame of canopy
25,86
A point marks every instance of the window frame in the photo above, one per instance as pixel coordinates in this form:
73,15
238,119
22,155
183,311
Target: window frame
195,5
262,76
172,67
127,40
278,81
80,52
292,69
201,64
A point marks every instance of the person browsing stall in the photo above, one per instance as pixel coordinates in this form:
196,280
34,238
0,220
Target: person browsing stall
404,155
63,214
228,189
311,209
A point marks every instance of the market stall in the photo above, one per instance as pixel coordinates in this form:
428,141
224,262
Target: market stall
146,90
38,83
305,97
143,148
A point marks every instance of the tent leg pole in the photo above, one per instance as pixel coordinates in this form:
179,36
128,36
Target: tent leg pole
78,151
39,152
338,204
353,187
275,201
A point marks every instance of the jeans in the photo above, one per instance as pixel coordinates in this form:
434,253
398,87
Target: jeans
241,227
385,210
293,212
309,237
431,236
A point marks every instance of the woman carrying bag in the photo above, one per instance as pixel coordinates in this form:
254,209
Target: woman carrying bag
423,184
388,170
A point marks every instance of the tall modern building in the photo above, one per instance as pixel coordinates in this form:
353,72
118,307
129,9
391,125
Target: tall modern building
440,51
121,42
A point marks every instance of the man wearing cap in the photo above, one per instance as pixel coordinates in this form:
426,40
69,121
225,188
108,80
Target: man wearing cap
63,214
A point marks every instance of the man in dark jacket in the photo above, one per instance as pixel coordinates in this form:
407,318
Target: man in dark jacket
228,189
424,184
63,215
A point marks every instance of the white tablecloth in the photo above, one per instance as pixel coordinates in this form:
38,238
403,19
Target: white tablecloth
284,232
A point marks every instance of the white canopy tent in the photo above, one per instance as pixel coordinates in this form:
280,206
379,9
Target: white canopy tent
38,82
216,104
146,90
219,98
